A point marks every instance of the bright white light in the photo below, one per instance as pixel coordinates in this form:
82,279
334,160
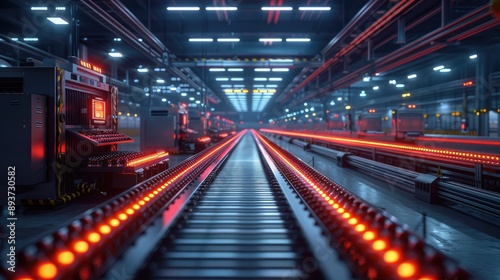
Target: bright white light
30,39
163,100
258,86
115,54
14,39
392,82
200,39
272,86
221,8
160,81
146,94
377,74
117,39
305,103
143,70
437,68
260,79
136,80
173,88
298,39
339,99
197,101
236,79
274,8
228,40
270,39
362,94
262,69
286,110
183,8
217,69
445,70
314,8
60,8
376,88
235,69
184,94
239,86
191,98
400,85
280,69
332,102
222,79
139,39
280,60
39,8
275,79
57,20
366,79
474,56
412,76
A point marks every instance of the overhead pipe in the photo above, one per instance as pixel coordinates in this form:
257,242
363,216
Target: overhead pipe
409,52
375,27
120,9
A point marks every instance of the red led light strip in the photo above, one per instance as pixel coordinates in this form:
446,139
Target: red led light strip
77,251
460,155
368,236
145,159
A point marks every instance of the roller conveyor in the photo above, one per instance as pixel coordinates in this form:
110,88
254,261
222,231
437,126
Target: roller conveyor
240,226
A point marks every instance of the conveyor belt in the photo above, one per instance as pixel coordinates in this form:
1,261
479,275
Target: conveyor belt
240,226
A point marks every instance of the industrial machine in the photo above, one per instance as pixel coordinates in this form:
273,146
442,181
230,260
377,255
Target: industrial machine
63,116
369,123
335,122
407,122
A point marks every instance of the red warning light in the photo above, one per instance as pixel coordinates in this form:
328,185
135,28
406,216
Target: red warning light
412,106
371,111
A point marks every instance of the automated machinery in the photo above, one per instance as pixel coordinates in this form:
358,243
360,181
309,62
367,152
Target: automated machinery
62,121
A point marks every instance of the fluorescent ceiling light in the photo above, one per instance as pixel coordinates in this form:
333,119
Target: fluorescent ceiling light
270,40
160,81
30,39
412,76
235,69
198,101
362,94
222,79
275,8
115,54
262,69
298,39
281,60
376,88
57,20
392,82
226,86
474,56
183,8
275,79
437,68
228,40
366,79
221,8
60,8
280,69
445,70
217,69
183,94
39,8
200,39
163,100
173,88
400,85
258,86
272,86
236,79
239,86
143,70
314,8
191,98
260,79
139,39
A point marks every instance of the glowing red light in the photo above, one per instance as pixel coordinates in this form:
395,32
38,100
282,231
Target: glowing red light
47,270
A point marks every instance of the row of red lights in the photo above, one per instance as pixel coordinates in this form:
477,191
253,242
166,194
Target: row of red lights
404,268
461,155
149,158
66,257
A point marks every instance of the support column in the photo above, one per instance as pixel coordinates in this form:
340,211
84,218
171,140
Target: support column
401,38
73,44
445,12
483,94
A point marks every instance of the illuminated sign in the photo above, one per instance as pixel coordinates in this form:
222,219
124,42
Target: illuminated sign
90,66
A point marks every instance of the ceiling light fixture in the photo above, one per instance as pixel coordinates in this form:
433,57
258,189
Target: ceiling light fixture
274,8
281,60
222,79
275,79
235,69
270,40
160,81
473,56
260,79
183,8
298,39
39,8
221,8
216,69
437,68
376,88
412,76
200,39
445,70
57,20
115,54
280,69
143,70
236,79
314,8
262,69
228,40
400,85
